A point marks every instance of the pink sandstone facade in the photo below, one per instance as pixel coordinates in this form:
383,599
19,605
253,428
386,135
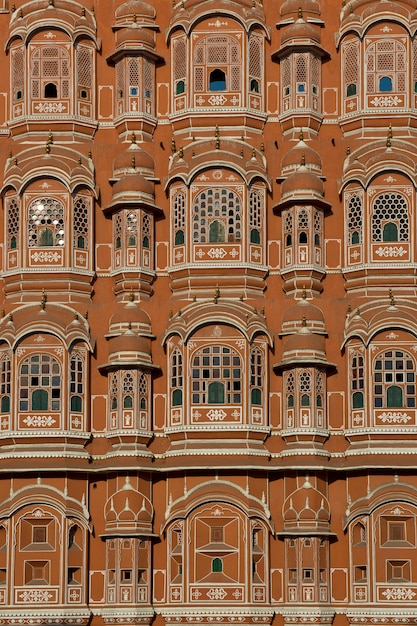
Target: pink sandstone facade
208,342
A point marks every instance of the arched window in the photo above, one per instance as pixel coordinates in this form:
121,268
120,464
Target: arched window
143,392
216,376
217,216
40,384
216,565
217,81
217,231
177,379
385,83
257,376
5,381
394,397
304,382
390,232
40,400
50,90
354,218
386,65
256,210
351,90
50,67
128,390
76,404
77,382
46,222
179,208
394,380
216,393
305,399
390,217
46,237
357,380
177,397
127,402
357,400
217,63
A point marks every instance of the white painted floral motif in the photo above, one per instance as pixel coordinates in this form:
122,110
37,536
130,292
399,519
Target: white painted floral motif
391,417
399,593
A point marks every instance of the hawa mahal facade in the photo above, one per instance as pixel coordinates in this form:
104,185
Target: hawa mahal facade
208,342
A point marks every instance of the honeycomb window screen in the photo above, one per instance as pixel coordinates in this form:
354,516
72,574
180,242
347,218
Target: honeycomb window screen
82,218
390,219
355,219
217,216
13,223
46,223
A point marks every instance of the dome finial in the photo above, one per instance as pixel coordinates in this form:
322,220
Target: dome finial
43,299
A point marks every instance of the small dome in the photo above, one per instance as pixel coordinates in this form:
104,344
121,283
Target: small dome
301,30
142,10
303,312
304,345
134,36
305,309
301,154
134,158
129,347
302,183
132,186
306,6
130,314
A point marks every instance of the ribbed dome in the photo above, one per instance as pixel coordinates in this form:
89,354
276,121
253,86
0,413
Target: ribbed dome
134,36
302,183
301,30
